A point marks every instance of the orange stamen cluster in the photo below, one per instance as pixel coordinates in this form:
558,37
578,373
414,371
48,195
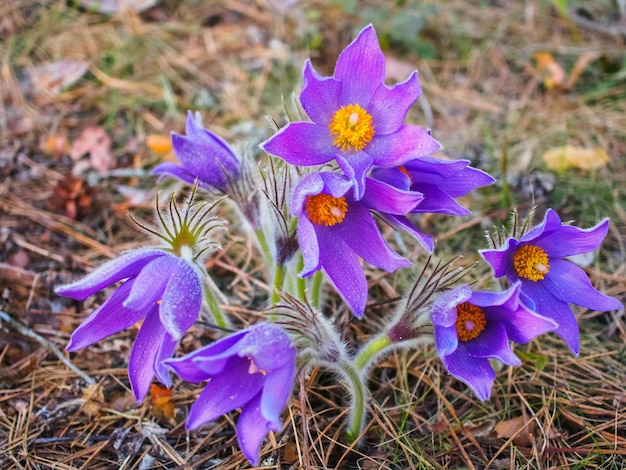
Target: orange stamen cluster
531,262
326,209
470,321
353,128
403,169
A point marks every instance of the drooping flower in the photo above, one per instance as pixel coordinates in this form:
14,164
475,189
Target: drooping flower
549,281
335,229
357,120
203,156
254,370
440,181
473,327
163,288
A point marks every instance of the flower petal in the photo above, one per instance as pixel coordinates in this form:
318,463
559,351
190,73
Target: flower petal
307,239
493,343
208,360
361,68
171,169
501,259
225,392
359,231
446,339
549,306
407,143
444,306
344,271
182,300
569,240
569,283
551,222
302,143
401,222
385,198
166,351
437,201
477,373
196,159
107,319
126,265
150,283
276,391
265,337
355,167
320,96
390,105
252,428
142,356
454,177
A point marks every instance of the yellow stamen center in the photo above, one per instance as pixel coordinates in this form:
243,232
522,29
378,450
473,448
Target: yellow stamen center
403,169
470,321
353,128
326,209
531,262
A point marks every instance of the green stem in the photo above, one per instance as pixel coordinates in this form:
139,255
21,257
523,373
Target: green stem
357,414
279,280
214,308
300,282
265,248
371,350
316,290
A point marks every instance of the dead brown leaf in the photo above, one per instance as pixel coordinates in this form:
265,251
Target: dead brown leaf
519,428
96,142
53,77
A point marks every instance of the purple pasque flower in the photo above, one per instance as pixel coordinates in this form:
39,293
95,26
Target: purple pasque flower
335,229
203,156
472,327
253,370
357,120
163,290
549,281
439,181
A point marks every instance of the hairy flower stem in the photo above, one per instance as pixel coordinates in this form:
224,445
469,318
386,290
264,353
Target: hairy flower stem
214,308
316,290
370,350
300,282
357,387
263,245
279,280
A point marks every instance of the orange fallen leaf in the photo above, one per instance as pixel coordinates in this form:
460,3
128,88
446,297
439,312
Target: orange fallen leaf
161,399
568,156
550,72
159,143
55,146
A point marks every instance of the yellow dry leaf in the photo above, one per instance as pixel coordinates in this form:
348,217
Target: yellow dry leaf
568,156
550,71
159,143
520,429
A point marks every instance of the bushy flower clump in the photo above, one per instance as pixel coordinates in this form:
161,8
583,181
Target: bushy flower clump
351,167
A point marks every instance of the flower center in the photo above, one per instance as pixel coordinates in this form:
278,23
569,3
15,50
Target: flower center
353,128
326,209
254,369
470,321
531,262
403,169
